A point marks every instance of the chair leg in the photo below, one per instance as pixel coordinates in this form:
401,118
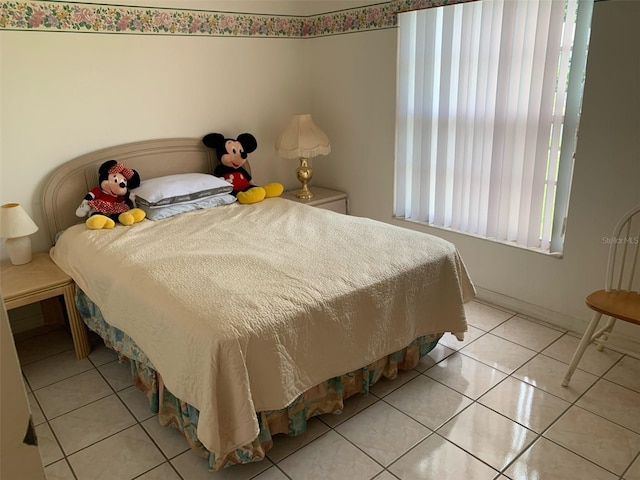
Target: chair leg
584,343
604,336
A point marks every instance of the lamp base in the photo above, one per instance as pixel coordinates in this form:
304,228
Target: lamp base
304,174
19,250
305,193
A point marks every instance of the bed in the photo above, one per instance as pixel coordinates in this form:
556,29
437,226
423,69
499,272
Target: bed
243,321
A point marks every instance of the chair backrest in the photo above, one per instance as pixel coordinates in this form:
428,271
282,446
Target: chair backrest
623,253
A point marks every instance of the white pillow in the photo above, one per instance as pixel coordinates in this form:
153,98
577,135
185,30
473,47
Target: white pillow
158,213
179,188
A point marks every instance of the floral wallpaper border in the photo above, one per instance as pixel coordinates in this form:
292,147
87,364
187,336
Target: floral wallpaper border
56,16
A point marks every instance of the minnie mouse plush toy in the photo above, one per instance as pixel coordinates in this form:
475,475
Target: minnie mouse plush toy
109,202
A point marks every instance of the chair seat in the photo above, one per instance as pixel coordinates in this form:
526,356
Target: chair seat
623,305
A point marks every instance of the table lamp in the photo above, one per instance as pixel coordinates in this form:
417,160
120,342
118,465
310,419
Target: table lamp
16,226
304,140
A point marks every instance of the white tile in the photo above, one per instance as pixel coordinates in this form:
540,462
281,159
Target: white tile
498,353
634,471
601,441
192,467
54,368
163,472
124,456
441,399
626,373
36,412
137,402
385,386
285,445
272,473
487,435
592,361
465,375
547,373
117,374
524,403
485,317
385,476
72,393
527,333
93,422
624,411
50,451
439,353
427,401
383,432
171,441
352,406
43,346
329,457
438,458
450,341
58,471
545,459
100,354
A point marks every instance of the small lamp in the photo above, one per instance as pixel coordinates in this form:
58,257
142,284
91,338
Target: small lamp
303,139
16,226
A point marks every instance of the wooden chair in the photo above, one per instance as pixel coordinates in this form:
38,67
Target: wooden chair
620,299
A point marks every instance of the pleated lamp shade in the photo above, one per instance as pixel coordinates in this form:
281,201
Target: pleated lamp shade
302,138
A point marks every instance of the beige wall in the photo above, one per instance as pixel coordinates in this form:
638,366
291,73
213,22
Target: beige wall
357,79
65,94
354,100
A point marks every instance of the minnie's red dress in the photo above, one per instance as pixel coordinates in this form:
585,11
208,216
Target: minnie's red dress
106,203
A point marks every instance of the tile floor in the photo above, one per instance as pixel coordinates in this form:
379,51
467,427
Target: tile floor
490,407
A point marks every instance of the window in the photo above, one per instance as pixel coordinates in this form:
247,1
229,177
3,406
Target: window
488,102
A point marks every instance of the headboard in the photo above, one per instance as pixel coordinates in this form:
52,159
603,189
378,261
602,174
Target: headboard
68,185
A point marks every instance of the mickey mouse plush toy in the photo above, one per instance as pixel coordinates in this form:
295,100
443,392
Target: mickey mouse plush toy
110,202
232,155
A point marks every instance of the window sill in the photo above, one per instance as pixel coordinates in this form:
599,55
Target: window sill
401,220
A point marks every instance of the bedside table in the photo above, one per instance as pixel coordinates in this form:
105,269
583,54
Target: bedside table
322,198
38,280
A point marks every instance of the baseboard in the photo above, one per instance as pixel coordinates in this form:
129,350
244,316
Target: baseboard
559,320
23,324
553,318
35,332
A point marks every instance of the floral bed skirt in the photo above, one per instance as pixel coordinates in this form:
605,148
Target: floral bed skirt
327,397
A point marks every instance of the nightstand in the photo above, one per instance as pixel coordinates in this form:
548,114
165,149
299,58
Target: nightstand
322,198
39,280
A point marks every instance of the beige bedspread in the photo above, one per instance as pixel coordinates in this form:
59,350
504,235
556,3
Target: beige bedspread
242,308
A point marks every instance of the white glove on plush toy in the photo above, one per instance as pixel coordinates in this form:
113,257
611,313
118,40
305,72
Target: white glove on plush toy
84,209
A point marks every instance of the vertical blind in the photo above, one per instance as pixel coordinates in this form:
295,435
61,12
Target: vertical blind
488,101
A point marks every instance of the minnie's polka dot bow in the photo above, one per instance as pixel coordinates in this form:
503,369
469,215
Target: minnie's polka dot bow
121,169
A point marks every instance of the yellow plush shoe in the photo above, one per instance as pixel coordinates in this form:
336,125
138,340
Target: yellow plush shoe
134,215
253,195
274,189
138,214
125,218
98,222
